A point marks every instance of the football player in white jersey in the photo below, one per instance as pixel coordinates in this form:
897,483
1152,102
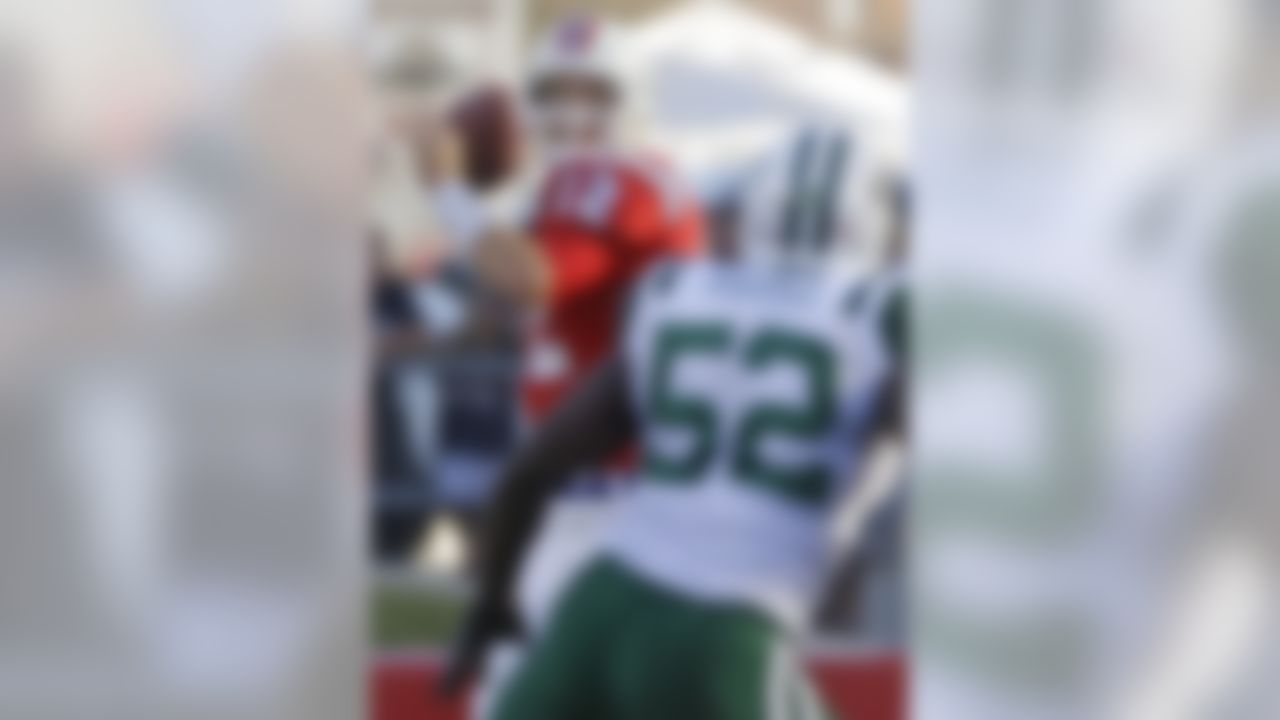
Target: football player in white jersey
755,388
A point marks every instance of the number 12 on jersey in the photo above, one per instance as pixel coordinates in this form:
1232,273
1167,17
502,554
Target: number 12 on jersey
806,418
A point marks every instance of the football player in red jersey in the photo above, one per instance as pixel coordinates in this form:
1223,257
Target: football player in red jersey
602,215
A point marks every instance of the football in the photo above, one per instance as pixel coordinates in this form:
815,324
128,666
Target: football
486,123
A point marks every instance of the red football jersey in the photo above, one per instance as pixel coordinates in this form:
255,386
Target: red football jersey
601,222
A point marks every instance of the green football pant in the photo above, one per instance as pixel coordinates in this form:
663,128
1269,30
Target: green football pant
622,648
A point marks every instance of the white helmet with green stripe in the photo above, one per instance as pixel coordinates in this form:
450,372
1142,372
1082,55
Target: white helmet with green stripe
824,197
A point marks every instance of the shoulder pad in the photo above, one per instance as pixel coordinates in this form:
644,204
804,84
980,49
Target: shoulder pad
652,176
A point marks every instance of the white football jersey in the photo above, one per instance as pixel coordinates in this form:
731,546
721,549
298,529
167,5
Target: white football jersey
755,389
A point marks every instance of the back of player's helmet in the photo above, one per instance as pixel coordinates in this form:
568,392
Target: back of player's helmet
823,199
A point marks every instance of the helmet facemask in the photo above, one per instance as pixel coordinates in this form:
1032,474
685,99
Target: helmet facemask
573,114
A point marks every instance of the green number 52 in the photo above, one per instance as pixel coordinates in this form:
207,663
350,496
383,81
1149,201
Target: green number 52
805,418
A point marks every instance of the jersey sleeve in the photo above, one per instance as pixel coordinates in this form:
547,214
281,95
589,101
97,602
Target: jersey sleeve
883,305
893,322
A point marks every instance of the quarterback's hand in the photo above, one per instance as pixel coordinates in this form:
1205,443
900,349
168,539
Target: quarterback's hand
486,624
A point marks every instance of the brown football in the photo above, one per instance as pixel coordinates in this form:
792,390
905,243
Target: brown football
485,120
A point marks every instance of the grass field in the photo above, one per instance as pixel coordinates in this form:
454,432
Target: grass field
413,615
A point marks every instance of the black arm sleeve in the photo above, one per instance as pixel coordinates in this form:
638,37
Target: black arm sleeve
593,424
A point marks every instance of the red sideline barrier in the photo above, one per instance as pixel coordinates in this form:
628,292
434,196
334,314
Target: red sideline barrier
865,687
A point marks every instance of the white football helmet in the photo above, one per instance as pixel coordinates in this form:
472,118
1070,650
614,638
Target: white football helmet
577,87
824,197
